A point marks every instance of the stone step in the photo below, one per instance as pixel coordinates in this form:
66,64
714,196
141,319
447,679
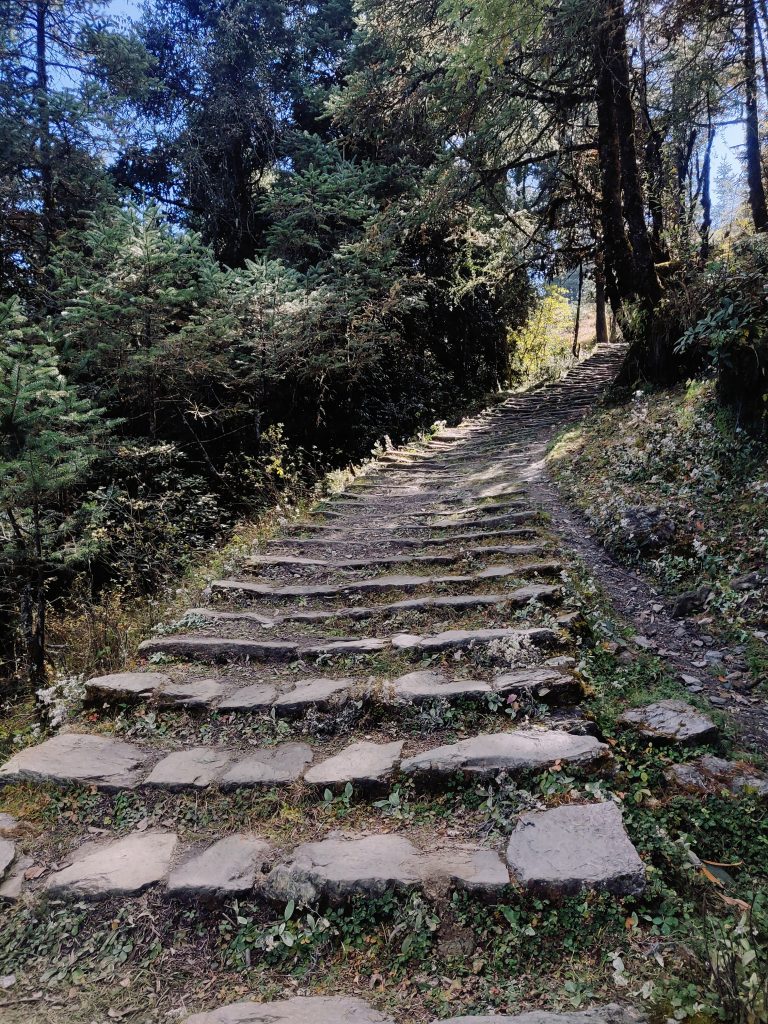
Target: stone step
345,1010
375,585
519,598
329,871
300,562
89,759
213,649
543,684
379,540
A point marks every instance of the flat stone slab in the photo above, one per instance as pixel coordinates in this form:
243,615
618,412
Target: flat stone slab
543,684
575,847
119,868
425,685
322,694
7,856
228,867
671,721
283,763
518,751
73,757
711,774
612,1014
124,685
335,869
195,768
363,763
256,697
459,639
190,647
196,693
11,886
302,1010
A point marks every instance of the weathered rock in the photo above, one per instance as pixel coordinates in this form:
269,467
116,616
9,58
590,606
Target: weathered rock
9,825
545,684
321,694
119,868
13,883
574,847
229,867
195,693
302,1010
124,685
335,869
361,763
74,757
283,763
612,1014
649,530
691,601
518,751
472,868
256,697
195,768
7,856
671,721
426,685
711,774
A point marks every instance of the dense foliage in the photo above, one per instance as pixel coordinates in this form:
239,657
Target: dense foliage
248,231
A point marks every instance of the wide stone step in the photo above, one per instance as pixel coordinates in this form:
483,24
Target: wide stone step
361,762
376,585
519,598
542,684
212,649
380,539
329,871
344,1010
299,562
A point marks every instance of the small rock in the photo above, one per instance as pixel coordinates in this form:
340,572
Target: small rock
7,856
691,601
9,825
671,721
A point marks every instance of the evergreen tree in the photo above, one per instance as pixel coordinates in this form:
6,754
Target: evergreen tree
49,439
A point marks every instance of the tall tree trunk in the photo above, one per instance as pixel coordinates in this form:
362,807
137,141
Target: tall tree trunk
629,251
706,191
757,200
575,348
44,124
601,323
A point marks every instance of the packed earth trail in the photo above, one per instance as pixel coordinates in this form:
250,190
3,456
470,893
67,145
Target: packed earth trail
416,633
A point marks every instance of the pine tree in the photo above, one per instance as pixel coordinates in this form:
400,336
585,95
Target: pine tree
49,438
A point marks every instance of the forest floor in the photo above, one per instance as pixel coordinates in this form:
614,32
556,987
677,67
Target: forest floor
429,748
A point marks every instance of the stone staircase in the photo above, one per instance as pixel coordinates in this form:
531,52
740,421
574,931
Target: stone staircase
430,582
